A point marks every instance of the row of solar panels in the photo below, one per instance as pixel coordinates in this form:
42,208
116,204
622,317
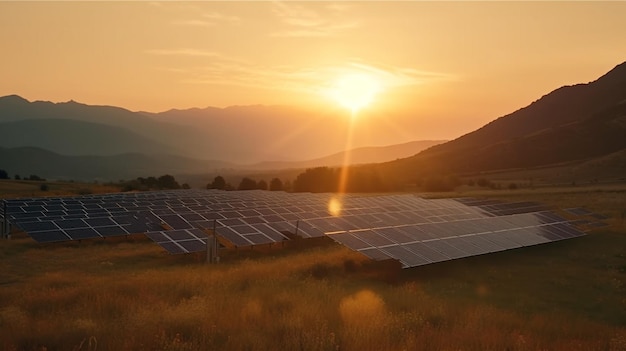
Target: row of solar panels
417,245
388,209
49,230
381,227
195,201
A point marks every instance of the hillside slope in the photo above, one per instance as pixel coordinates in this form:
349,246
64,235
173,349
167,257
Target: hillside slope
571,123
373,154
72,137
27,160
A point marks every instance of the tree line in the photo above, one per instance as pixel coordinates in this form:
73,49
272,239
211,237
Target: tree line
5,175
246,183
164,182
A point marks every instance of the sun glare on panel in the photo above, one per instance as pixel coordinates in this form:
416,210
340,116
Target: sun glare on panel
355,91
334,207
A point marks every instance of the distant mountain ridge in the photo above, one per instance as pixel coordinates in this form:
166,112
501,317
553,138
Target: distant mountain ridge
578,122
363,155
76,138
239,134
583,122
31,160
49,164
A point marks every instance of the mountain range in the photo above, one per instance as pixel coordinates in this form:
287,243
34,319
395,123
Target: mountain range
237,134
582,123
573,123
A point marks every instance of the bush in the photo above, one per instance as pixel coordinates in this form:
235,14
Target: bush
276,185
261,185
247,184
438,183
44,187
218,183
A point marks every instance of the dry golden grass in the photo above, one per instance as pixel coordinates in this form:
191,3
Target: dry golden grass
27,188
127,294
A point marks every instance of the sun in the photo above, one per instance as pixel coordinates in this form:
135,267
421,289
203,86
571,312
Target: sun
355,91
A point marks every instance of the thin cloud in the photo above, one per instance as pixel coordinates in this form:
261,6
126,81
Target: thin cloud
182,52
305,22
226,71
217,16
194,23
209,19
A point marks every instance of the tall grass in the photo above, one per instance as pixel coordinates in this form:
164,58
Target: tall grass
128,295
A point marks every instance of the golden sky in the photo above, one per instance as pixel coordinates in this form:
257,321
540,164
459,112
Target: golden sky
444,68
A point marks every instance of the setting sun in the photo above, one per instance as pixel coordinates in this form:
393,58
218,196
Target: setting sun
355,91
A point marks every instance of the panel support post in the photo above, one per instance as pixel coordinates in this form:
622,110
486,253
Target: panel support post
297,225
4,229
212,246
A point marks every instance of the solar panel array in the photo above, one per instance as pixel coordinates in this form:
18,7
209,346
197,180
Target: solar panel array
405,227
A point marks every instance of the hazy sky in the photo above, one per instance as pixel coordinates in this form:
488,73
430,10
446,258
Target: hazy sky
443,68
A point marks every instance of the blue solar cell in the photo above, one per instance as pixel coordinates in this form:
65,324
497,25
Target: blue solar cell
49,236
233,237
350,241
373,238
426,252
253,220
446,249
306,230
230,222
82,233
466,246
99,222
249,213
500,240
259,239
195,245
175,222
70,223
244,229
270,232
111,231
31,227
192,217
395,235
375,254
177,235
406,257
172,247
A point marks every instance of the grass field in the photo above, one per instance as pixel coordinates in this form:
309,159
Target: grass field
128,294
28,188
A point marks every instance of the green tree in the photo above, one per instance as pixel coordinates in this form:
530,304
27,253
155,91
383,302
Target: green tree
276,185
147,183
261,185
317,180
218,183
4,174
35,177
167,182
247,184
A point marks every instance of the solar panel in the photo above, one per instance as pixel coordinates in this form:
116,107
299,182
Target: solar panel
180,241
381,227
50,236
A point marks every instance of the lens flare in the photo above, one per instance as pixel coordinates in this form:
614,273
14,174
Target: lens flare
335,207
